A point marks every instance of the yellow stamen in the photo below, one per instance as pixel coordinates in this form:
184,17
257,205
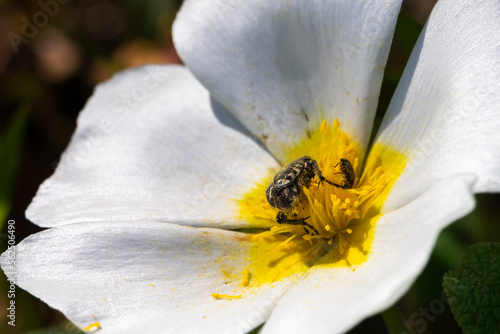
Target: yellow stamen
340,223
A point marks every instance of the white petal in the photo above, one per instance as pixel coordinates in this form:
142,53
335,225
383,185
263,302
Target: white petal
446,111
334,299
283,66
144,278
151,145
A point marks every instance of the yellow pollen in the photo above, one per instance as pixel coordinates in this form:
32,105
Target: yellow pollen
93,327
246,277
339,223
221,296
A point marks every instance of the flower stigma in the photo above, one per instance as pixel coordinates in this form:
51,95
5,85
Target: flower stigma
335,225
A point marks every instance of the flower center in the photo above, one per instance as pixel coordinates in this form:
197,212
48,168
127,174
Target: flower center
329,223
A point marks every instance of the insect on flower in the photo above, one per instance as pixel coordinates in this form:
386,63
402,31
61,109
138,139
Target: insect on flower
285,191
348,173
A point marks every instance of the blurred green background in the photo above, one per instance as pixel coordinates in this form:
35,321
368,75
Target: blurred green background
46,82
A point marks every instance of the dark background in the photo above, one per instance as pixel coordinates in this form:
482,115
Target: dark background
45,84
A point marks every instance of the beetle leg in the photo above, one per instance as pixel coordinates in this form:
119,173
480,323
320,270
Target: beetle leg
321,177
282,218
345,184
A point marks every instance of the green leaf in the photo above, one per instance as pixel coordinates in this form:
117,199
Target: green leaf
10,155
394,321
256,330
473,289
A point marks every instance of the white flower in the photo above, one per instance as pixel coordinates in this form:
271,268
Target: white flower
156,154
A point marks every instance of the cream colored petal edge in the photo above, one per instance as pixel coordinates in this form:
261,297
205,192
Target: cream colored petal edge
445,114
283,66
334,299
151,145
150,278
